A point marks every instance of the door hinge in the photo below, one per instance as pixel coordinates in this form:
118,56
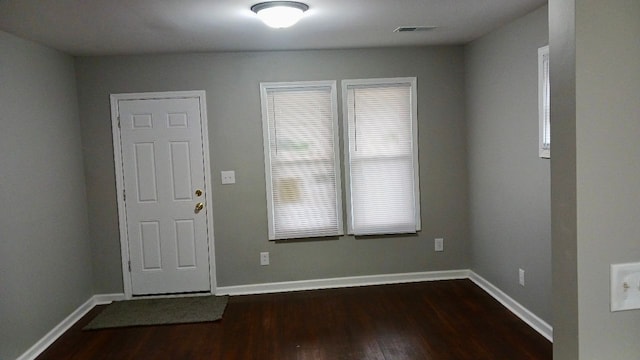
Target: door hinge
129,266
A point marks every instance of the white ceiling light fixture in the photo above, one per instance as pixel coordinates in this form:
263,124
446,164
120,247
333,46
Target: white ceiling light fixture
280,14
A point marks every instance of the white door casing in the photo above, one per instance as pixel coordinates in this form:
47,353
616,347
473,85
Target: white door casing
161,157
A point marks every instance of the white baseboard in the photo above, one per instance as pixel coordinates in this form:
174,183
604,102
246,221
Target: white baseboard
66,323
102,299
523,313
341,282
520,311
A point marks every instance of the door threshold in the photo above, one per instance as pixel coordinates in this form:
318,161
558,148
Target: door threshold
172,295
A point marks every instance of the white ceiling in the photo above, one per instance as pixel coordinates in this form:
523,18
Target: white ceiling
105,27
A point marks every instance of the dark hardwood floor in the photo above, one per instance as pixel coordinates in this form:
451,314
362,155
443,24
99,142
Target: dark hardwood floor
451,319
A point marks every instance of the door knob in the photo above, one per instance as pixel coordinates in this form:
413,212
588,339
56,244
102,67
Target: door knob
199,206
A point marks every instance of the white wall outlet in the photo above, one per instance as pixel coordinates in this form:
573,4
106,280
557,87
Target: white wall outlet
521,276
439,244
228,177
625,286
264,258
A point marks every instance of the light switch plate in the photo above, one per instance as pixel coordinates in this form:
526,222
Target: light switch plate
228,177
625,286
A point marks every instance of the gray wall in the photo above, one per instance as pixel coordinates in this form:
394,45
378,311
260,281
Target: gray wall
602,128
509,185
240,215
45,258
563,179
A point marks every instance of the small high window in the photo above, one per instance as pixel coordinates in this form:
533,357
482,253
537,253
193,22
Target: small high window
544,142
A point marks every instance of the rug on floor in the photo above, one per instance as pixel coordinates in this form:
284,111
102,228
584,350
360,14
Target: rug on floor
179,310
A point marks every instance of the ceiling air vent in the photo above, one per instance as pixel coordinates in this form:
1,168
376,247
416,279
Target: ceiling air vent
414,28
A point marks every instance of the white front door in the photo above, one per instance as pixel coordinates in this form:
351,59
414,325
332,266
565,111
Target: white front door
164,193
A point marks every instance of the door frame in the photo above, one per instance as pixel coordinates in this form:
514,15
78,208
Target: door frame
117,157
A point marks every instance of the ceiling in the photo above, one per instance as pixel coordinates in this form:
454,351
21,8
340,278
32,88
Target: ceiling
109,27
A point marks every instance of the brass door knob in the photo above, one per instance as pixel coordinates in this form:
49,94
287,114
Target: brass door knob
199,206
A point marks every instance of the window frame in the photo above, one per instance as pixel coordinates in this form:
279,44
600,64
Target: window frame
265,87
381,82
544,121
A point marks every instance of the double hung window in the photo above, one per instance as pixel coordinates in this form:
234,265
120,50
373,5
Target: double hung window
300,130
302,161
381,156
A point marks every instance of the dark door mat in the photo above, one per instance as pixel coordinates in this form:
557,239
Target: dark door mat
177,310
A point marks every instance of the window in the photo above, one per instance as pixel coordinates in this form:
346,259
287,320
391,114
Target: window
544,103
381,156
300,129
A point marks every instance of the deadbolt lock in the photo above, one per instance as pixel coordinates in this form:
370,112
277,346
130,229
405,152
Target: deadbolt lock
198,192
199,206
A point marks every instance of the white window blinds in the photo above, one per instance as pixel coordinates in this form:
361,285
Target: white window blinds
301,159
381,156
544,105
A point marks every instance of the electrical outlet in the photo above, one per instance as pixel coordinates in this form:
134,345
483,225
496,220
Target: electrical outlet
264,258
521,276
439,244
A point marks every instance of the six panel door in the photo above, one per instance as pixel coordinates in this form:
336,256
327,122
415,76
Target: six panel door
164,184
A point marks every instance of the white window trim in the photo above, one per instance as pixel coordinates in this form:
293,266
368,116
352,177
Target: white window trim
543,151
264,87
414,129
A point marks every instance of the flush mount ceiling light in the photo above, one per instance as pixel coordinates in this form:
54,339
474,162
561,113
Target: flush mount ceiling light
280,14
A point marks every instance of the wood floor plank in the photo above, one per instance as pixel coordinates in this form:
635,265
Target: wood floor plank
439,320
